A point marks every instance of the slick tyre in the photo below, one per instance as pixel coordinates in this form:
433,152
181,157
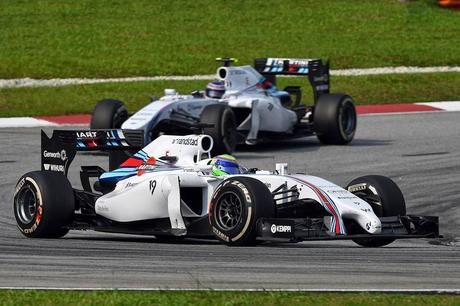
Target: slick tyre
223,131
43,204
236,206
334,118
385,198
108,114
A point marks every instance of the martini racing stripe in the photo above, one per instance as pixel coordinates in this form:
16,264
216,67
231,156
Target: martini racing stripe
337,225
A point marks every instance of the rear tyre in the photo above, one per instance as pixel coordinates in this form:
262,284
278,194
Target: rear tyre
334,119
43,204
236,206
223,132
108,114
385,198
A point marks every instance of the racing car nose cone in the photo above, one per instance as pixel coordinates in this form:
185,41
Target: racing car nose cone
374,227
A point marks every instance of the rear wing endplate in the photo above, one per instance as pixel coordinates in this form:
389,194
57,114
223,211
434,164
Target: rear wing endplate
58,152
315,69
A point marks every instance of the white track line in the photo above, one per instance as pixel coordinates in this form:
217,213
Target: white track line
331,290
453,106
28,82
24,122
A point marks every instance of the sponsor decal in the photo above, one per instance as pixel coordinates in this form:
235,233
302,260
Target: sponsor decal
220,234
244,189
357,187
19,185
53,167
92,134
291,62
347,198
270,106
58,155
280,229
102,208
322,87
149,165
152,185
185,141
323,78
373,190
86,134
129,184
237,72
336,191
146,167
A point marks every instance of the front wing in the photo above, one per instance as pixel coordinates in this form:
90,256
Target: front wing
302,229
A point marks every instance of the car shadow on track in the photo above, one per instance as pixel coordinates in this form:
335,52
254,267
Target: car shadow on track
306,145
282,145
370,142
147,239
262,245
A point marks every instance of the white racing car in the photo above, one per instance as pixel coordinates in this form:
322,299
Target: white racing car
243,106
172,188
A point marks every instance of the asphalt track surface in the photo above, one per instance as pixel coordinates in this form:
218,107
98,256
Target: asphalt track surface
421,152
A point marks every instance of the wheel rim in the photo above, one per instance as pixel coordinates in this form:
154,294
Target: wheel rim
26,205
348,119
228,211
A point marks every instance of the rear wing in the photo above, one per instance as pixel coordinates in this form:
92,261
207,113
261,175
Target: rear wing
315,69
58,152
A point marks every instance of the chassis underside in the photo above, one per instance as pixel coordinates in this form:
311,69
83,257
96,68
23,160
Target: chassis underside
283,229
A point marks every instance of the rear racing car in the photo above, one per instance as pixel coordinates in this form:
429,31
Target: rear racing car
243,106
172,188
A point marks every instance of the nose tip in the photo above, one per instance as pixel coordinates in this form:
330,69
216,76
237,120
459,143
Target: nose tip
374,227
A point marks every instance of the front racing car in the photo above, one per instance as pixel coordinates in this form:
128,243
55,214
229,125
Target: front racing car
172,188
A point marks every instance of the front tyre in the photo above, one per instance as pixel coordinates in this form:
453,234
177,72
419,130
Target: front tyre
108,114
236,205
43,204
385,198
223,131
334,119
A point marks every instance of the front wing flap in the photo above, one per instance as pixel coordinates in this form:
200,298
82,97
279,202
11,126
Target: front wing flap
302,229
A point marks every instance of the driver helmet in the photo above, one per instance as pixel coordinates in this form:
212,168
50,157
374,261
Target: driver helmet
215,89
224,165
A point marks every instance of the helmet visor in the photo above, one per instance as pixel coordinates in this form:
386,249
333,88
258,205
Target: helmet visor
228,167
216,94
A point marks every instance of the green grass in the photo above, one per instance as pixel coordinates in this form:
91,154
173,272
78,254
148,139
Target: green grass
105,38
74,99
34,297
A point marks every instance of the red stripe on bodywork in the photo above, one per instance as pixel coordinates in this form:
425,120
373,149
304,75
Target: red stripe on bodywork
132,162
394,108
67,119
319,192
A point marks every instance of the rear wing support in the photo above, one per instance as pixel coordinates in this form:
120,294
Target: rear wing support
58,152
315,69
